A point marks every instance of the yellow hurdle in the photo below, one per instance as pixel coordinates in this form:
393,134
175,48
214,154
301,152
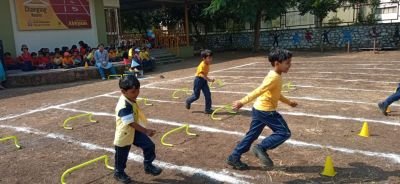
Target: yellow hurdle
144,101
287,87
218,82
226,107
90,117
186,90
117,75
70,170
186,126
15,140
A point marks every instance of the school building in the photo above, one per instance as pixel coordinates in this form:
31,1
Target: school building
56,23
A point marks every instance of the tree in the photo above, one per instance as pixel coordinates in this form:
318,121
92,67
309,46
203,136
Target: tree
252,11
197,17
319,8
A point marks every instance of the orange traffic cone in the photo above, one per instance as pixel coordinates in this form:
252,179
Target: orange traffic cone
329,170
364,130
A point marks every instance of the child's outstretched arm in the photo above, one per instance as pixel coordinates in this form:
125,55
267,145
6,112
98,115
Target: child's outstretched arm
254,94
287,101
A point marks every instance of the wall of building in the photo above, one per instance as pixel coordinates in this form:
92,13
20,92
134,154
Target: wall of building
338,37
6,32
58,38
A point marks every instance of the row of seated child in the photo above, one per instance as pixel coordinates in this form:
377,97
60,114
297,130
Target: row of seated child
60,58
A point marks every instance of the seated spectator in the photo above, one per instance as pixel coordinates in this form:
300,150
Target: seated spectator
131,52
90,57
58,60
26,59
64,49
112,55
136,64
82,48
44,61
147,61
11,63
35,60
74,48
120,53
77,58
127,62
67,61
103,62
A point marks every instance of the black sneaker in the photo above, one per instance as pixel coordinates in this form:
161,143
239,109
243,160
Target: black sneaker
209,111
153,170
187,105
122,177
263,156
236,164
382,108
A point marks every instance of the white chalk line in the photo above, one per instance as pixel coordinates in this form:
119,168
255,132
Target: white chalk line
393,156
314,72
311,78
50,107
307,86
312,69
293,97
219,176
395,123
192,76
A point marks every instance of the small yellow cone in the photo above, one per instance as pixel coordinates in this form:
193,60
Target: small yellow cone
364,131
388,110
329,170
86,65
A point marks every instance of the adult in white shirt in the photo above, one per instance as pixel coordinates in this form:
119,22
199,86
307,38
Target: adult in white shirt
103,62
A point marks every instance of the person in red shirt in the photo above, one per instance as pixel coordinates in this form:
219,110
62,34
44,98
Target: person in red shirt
35,60
10,63
82,48
43,61
26,59
77,58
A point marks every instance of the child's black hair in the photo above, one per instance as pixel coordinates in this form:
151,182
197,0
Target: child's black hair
129,82
74,47
279,55
206,53
33,54
7,54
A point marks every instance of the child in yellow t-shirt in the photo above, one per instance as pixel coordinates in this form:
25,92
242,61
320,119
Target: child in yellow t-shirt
264,113
201,82
131,129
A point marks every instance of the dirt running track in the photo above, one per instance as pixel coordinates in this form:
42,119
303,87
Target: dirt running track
336,93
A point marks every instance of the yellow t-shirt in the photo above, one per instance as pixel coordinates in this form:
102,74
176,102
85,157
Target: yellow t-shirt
268,93
130,53
127,112
144,55
112,54
202,69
